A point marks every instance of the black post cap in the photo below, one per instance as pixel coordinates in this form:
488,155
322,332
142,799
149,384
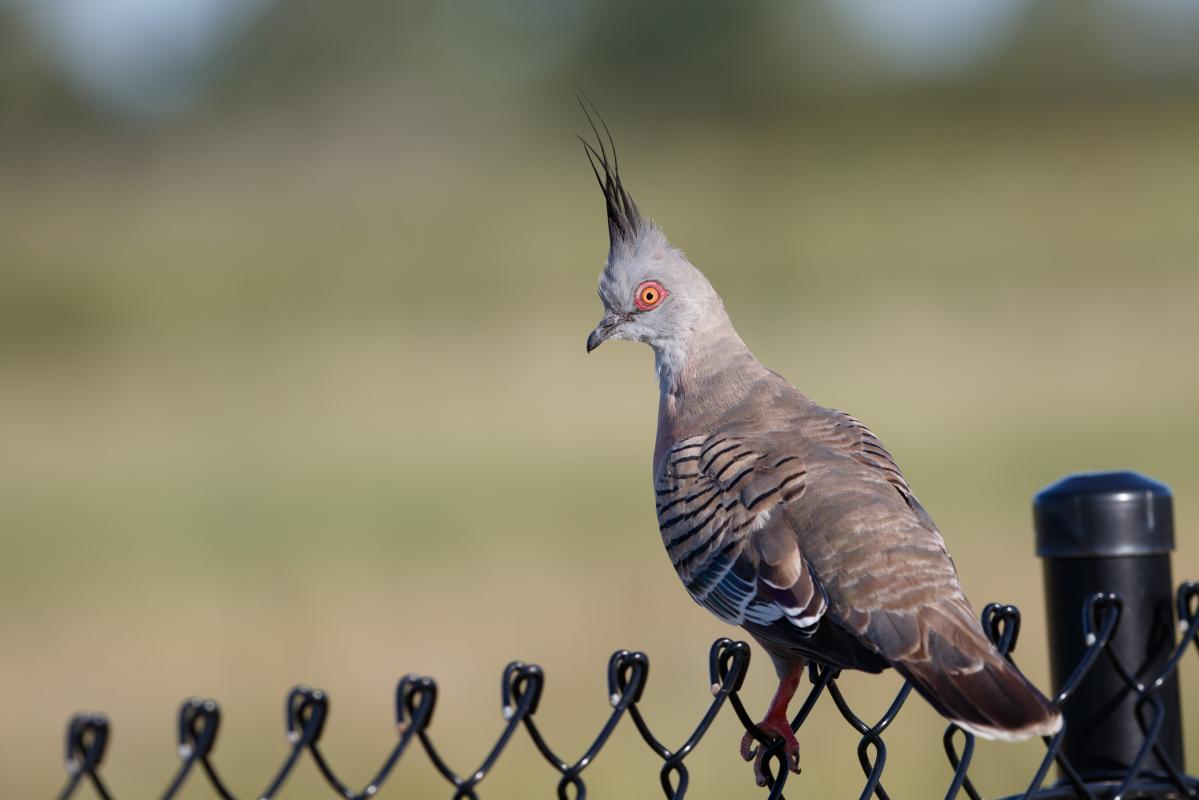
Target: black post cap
1104,514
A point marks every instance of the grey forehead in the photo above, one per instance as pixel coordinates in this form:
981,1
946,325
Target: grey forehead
621,277
614,287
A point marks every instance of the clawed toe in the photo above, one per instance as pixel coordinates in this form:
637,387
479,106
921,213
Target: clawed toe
751,750
748,750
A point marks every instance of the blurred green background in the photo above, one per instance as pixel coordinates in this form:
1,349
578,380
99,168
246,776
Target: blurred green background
293,298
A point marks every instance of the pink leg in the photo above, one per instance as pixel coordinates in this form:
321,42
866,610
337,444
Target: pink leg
776,722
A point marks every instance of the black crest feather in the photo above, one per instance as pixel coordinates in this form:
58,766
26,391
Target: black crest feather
624,220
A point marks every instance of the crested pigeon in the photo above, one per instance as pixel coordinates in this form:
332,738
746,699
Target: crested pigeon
787,518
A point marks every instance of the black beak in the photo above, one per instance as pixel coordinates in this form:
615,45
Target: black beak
607,325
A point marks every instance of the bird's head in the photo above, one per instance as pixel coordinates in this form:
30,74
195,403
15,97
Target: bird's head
650,292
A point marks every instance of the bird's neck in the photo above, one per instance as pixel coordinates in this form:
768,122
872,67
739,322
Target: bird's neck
701,378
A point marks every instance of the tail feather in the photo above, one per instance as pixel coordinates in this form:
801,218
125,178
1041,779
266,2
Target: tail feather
990,698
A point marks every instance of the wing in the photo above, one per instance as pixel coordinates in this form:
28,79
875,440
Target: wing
717,501
876,550
794,514
845,438
799,511
893,585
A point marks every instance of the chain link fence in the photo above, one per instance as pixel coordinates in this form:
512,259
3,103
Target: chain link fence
1117,632
307,711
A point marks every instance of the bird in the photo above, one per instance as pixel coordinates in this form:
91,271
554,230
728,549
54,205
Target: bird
786,518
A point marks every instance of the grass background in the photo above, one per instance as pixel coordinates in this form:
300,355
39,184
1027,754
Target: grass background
307,400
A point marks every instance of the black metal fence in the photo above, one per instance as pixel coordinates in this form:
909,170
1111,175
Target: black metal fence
1123,742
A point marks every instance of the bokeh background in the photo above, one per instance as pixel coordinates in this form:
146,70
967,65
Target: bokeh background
293,298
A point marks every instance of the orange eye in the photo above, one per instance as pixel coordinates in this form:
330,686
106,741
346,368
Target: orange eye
649,294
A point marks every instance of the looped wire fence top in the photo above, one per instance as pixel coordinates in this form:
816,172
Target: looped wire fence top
307,709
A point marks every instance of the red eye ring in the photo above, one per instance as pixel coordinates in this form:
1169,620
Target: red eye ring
649,295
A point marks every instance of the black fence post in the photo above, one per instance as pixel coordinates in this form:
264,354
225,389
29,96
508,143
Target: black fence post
1110,532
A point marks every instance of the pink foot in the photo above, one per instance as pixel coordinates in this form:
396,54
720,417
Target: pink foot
781,729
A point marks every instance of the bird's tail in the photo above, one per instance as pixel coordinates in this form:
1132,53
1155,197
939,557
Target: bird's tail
977,688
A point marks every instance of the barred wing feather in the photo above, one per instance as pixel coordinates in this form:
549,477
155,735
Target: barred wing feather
716,502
